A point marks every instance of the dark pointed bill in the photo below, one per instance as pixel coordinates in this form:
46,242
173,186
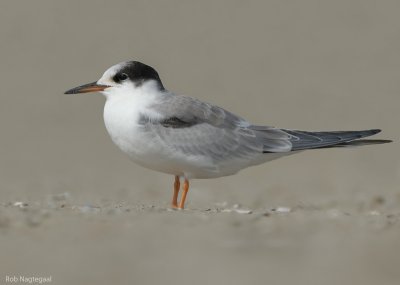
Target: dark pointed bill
87,88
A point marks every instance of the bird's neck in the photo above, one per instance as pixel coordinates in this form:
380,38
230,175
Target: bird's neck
129,104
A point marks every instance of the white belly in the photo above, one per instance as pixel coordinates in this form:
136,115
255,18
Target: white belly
145,149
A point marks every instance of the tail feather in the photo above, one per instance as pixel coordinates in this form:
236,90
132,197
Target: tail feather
302,140
361,143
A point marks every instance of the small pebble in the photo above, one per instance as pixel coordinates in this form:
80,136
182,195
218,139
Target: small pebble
20,204
243,211
282,210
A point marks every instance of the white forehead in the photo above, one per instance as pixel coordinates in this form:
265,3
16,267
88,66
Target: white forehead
106,78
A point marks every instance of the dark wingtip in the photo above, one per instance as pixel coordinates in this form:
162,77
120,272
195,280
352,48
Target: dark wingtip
375,131
363,142
381,141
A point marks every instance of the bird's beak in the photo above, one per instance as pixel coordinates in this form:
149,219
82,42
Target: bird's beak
87,88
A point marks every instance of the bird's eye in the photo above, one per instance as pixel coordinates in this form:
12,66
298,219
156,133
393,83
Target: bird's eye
120,77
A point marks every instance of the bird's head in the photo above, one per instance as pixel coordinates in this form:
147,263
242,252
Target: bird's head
123,79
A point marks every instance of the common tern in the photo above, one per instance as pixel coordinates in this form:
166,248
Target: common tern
190,139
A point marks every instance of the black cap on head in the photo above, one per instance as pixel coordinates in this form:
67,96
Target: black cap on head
138,73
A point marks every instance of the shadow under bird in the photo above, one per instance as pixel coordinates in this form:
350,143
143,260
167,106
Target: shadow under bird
188,138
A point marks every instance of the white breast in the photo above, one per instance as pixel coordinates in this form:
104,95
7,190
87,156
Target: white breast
121,121
122,112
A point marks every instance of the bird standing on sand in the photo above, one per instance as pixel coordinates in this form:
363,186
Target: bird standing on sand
188,138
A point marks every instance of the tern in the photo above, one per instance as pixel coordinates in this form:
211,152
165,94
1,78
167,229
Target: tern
191,139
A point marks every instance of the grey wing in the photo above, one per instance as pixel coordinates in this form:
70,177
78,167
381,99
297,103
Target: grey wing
197,128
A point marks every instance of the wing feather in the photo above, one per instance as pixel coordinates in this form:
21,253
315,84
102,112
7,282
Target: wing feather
208,130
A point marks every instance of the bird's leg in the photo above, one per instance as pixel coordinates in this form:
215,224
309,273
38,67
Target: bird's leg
177,185
184,193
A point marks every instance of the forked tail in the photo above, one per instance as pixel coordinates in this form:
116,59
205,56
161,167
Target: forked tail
302,140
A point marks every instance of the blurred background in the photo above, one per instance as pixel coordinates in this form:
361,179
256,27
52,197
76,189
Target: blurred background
309,65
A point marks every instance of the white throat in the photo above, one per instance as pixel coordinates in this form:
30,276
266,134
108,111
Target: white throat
125,105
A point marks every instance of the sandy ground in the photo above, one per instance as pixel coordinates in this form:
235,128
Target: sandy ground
73,207
109,242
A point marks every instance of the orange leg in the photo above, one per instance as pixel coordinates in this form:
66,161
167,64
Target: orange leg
177,185
185,191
